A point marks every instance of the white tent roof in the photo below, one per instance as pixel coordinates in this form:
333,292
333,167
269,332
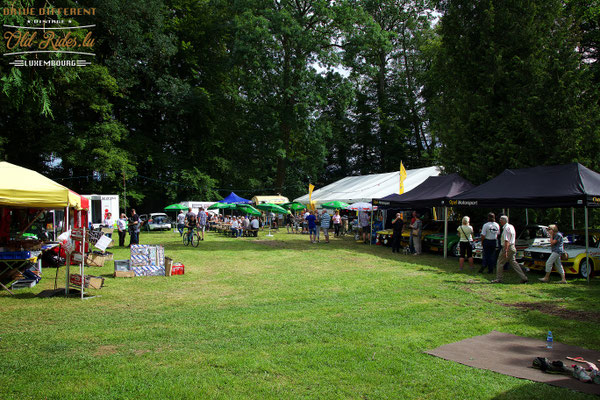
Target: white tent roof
352,189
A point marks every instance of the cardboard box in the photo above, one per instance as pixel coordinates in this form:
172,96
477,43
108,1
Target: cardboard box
94,282
148,270
124,274
95,259
168,266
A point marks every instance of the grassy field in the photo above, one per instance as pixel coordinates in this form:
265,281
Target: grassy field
280,318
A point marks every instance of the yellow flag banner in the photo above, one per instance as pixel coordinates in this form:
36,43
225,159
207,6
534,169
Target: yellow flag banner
402,178
311,187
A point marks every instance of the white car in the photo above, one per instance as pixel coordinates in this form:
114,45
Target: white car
158,222
535,256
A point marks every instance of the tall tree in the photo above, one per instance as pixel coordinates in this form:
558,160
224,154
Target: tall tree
277,45
382,49
509,89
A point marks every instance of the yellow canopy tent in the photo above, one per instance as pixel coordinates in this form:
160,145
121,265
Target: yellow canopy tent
270,199
22,187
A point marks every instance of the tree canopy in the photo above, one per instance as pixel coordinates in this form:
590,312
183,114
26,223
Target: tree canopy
191,99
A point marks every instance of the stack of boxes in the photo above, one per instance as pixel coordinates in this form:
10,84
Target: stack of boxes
147,260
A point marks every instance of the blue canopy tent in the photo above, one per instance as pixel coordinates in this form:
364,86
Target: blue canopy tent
235,199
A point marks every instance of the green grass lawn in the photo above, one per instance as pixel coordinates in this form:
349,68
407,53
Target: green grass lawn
280,318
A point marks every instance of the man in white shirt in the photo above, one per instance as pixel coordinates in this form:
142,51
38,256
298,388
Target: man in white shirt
180,222
508,252
201,218
254,225
235,231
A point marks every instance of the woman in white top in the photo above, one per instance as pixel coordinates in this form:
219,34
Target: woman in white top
465,234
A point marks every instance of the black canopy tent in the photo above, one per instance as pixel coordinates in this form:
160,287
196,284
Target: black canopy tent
554,186
435,191
569,185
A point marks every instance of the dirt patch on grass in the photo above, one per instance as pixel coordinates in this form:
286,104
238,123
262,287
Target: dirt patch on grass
557,311
547,308
140,352
106,350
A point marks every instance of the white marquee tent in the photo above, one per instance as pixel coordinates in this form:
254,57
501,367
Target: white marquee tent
352,189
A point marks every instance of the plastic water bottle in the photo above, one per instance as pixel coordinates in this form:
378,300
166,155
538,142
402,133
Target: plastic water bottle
549,340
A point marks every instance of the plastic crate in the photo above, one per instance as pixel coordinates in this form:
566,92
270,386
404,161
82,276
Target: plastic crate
122,265
15,255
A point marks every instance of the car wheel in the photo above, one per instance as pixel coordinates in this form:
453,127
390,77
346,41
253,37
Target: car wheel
583,268
452,251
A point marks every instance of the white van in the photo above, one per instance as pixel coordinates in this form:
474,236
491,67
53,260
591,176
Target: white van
100,205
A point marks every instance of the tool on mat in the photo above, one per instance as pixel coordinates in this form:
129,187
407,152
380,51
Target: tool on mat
581,360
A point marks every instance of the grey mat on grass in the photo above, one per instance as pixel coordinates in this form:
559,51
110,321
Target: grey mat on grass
512,355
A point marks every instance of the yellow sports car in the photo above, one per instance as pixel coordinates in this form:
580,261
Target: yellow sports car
535,257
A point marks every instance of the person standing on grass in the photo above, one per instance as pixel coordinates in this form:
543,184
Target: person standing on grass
398,225
465,234
489,240
337,222
180,222
411,244
122,229
201,218
311,221
325,224
365,222
556,243
134,228
289,222
508,252
416,228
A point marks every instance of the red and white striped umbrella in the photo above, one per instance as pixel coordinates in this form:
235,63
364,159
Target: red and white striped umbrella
361,206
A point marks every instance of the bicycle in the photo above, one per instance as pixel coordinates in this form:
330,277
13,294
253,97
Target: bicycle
190,238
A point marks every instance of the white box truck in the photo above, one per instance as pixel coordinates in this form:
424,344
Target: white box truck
100,205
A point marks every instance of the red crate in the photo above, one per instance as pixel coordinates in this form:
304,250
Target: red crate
177,269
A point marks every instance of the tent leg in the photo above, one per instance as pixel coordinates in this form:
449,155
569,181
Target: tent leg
68,255
445,231
587,243
573,218
526,217
371,230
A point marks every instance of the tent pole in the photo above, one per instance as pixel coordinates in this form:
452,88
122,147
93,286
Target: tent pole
526,217
445,231
68,255
587,243
573,218
371,227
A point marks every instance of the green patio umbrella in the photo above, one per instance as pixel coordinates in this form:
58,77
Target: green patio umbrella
294,206
272,207
176,207
335,205
221,206
248,209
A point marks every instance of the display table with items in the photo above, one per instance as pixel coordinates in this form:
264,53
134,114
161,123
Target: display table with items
19,266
